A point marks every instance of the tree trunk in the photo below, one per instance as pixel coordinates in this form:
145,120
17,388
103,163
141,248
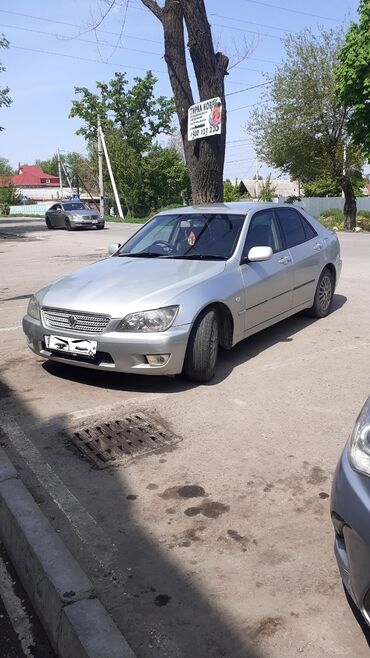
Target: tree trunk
204,157
350,206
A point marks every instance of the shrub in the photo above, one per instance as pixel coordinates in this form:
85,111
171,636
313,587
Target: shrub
364,213
363,221
4,209
332,212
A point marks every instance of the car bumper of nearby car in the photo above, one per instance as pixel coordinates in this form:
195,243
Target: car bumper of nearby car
350,502
120,351
76,222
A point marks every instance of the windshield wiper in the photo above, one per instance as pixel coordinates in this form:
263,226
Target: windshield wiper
141,254
200,257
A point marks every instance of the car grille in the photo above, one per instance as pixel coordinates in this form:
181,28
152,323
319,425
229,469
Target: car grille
90,323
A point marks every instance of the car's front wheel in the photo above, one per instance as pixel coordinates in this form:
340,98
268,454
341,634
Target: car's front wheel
202,351
323,295
48,224
100,227
68,225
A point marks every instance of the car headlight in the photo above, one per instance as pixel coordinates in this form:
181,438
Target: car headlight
359,447
158,320
33,308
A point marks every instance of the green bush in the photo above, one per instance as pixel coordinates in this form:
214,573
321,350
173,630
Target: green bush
363,221
4,209
332,212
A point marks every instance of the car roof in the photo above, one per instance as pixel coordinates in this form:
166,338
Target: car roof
233,207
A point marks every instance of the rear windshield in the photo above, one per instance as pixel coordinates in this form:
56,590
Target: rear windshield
75,206
197,236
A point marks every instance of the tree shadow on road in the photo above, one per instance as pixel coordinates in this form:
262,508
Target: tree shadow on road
161,607
243,352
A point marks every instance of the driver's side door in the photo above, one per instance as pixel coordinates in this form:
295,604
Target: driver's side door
269,284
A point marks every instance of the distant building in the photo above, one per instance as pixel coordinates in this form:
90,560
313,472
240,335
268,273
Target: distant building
35,184
283,187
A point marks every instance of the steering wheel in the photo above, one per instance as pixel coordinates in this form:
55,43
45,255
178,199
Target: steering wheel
165,246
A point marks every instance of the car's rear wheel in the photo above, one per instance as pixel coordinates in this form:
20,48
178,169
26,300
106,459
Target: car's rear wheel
68,225
202,351
48,224
324,295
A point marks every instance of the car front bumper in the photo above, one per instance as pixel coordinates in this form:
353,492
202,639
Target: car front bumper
77,222
119,351
350,500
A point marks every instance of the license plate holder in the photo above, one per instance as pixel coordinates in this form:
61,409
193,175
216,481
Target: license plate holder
77,346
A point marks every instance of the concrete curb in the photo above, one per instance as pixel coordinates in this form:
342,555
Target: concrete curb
63,596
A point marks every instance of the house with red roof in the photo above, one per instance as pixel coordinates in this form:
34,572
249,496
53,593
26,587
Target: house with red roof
35,184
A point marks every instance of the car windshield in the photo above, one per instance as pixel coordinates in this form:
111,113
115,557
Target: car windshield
187,235
75,206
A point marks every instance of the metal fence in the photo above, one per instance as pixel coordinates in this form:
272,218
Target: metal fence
316,205
32,209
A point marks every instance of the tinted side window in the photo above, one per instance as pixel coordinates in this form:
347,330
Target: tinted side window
308,229
292,226
263,232
52,207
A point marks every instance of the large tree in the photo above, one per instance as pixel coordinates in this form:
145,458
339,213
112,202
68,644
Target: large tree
5,167
302,130
204,157
4,93
353,78
135,112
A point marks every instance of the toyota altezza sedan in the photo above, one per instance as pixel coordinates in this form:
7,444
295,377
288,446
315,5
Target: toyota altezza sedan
72,214
350,513
189,281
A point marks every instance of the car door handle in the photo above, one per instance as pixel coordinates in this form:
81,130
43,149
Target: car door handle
284,260
318,246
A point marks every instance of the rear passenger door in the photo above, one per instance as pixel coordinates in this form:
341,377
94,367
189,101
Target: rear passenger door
306,249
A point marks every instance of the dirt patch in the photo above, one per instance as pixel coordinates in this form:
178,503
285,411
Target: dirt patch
186,491
210,509
268,626
317,475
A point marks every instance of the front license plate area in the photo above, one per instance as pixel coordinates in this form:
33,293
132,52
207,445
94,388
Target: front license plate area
78,346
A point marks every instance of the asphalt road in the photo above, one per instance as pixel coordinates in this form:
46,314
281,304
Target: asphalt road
20,630
220,545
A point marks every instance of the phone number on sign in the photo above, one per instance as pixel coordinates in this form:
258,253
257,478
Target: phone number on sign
204,132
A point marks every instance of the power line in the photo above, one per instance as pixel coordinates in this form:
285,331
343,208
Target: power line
84,59
64,37
78,27
293,11
241,20
263,84
243,107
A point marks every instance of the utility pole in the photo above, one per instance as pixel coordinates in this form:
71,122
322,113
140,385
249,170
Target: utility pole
344,163
102,140
100,161
66,175
60,176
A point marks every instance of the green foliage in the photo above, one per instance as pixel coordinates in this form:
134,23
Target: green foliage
335,213
135,113
292,198
8,197
267,191
363,220
332,218
4,93
165,177
5,167
324,186
302,130
49,166
231,191
353,78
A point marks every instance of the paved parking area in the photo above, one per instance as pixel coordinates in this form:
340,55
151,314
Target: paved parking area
222,544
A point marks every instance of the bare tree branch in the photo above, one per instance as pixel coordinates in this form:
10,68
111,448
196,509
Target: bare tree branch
154,8
242,52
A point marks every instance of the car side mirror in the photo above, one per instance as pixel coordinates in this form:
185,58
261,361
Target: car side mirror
259,254
113,248
59,210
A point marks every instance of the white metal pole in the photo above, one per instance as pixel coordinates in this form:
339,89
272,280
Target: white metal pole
118,203
100,163
66,175
60,176
344,163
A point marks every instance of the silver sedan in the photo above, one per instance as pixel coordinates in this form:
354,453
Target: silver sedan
189,281
72,214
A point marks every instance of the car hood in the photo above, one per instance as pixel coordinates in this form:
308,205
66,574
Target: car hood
120,285
82,213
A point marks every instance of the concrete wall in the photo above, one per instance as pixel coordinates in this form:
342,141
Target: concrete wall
34,209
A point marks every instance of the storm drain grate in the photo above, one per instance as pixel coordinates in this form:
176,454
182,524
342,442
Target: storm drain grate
118,441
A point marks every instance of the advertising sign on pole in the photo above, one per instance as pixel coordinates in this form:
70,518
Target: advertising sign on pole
205,119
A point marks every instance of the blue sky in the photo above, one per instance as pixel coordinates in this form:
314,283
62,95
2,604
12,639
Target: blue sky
51,51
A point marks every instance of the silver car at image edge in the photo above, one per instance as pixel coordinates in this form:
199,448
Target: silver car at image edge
190,280
350,513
